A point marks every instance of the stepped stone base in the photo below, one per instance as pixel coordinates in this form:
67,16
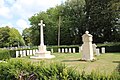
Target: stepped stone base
42,54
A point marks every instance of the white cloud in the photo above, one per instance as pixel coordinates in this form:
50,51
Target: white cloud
26,9
21,10
22,24
4,11
7,24
1,3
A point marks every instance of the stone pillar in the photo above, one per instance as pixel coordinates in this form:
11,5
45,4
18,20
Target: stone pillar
87,49
41,33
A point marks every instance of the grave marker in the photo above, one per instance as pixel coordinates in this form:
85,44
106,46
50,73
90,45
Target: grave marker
42,53
103,50
73,50
97,51
17,54
87,49
70,50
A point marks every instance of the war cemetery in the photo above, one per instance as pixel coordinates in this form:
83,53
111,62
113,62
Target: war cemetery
76,40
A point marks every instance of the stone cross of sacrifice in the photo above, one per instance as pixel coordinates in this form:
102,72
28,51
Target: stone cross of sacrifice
41,31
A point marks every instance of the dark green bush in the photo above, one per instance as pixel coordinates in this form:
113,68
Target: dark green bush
12,53
4,54
110,47
13,69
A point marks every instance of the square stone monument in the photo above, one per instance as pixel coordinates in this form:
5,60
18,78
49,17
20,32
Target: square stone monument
87,49
42,52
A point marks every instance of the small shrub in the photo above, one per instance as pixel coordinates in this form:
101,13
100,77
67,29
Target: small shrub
13,69
12,53
4,54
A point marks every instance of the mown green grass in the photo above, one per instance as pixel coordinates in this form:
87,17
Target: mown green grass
105,63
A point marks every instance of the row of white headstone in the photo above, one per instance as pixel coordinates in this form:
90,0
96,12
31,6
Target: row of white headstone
97,51
66,50
23,53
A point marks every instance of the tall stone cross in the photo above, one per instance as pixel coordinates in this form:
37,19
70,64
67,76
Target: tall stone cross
41,31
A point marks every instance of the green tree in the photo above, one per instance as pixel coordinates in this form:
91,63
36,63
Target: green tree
27,36
50,18
10,37
99,17
72,22
101,20
72,16
4,35
15,38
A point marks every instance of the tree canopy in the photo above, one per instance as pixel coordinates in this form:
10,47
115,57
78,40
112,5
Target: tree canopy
10,37
99,17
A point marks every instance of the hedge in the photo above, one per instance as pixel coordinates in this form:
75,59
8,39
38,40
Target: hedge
26,70
4,54
110,47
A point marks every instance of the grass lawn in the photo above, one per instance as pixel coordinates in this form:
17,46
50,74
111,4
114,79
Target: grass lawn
105,63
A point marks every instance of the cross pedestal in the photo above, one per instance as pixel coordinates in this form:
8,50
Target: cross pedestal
42,52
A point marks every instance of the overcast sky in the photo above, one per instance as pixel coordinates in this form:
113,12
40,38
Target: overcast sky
15,13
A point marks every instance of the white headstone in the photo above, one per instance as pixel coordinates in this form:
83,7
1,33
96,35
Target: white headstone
17,54
70,50
58,50
34,52
87,49
73,50
97,52
80,49
21,53
94,48
103,50
66,50
62,50
24,53
31,53
28,52
52,50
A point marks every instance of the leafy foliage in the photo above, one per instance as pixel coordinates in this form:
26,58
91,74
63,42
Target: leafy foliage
101,20
13,69
4,54
10,37
100,17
